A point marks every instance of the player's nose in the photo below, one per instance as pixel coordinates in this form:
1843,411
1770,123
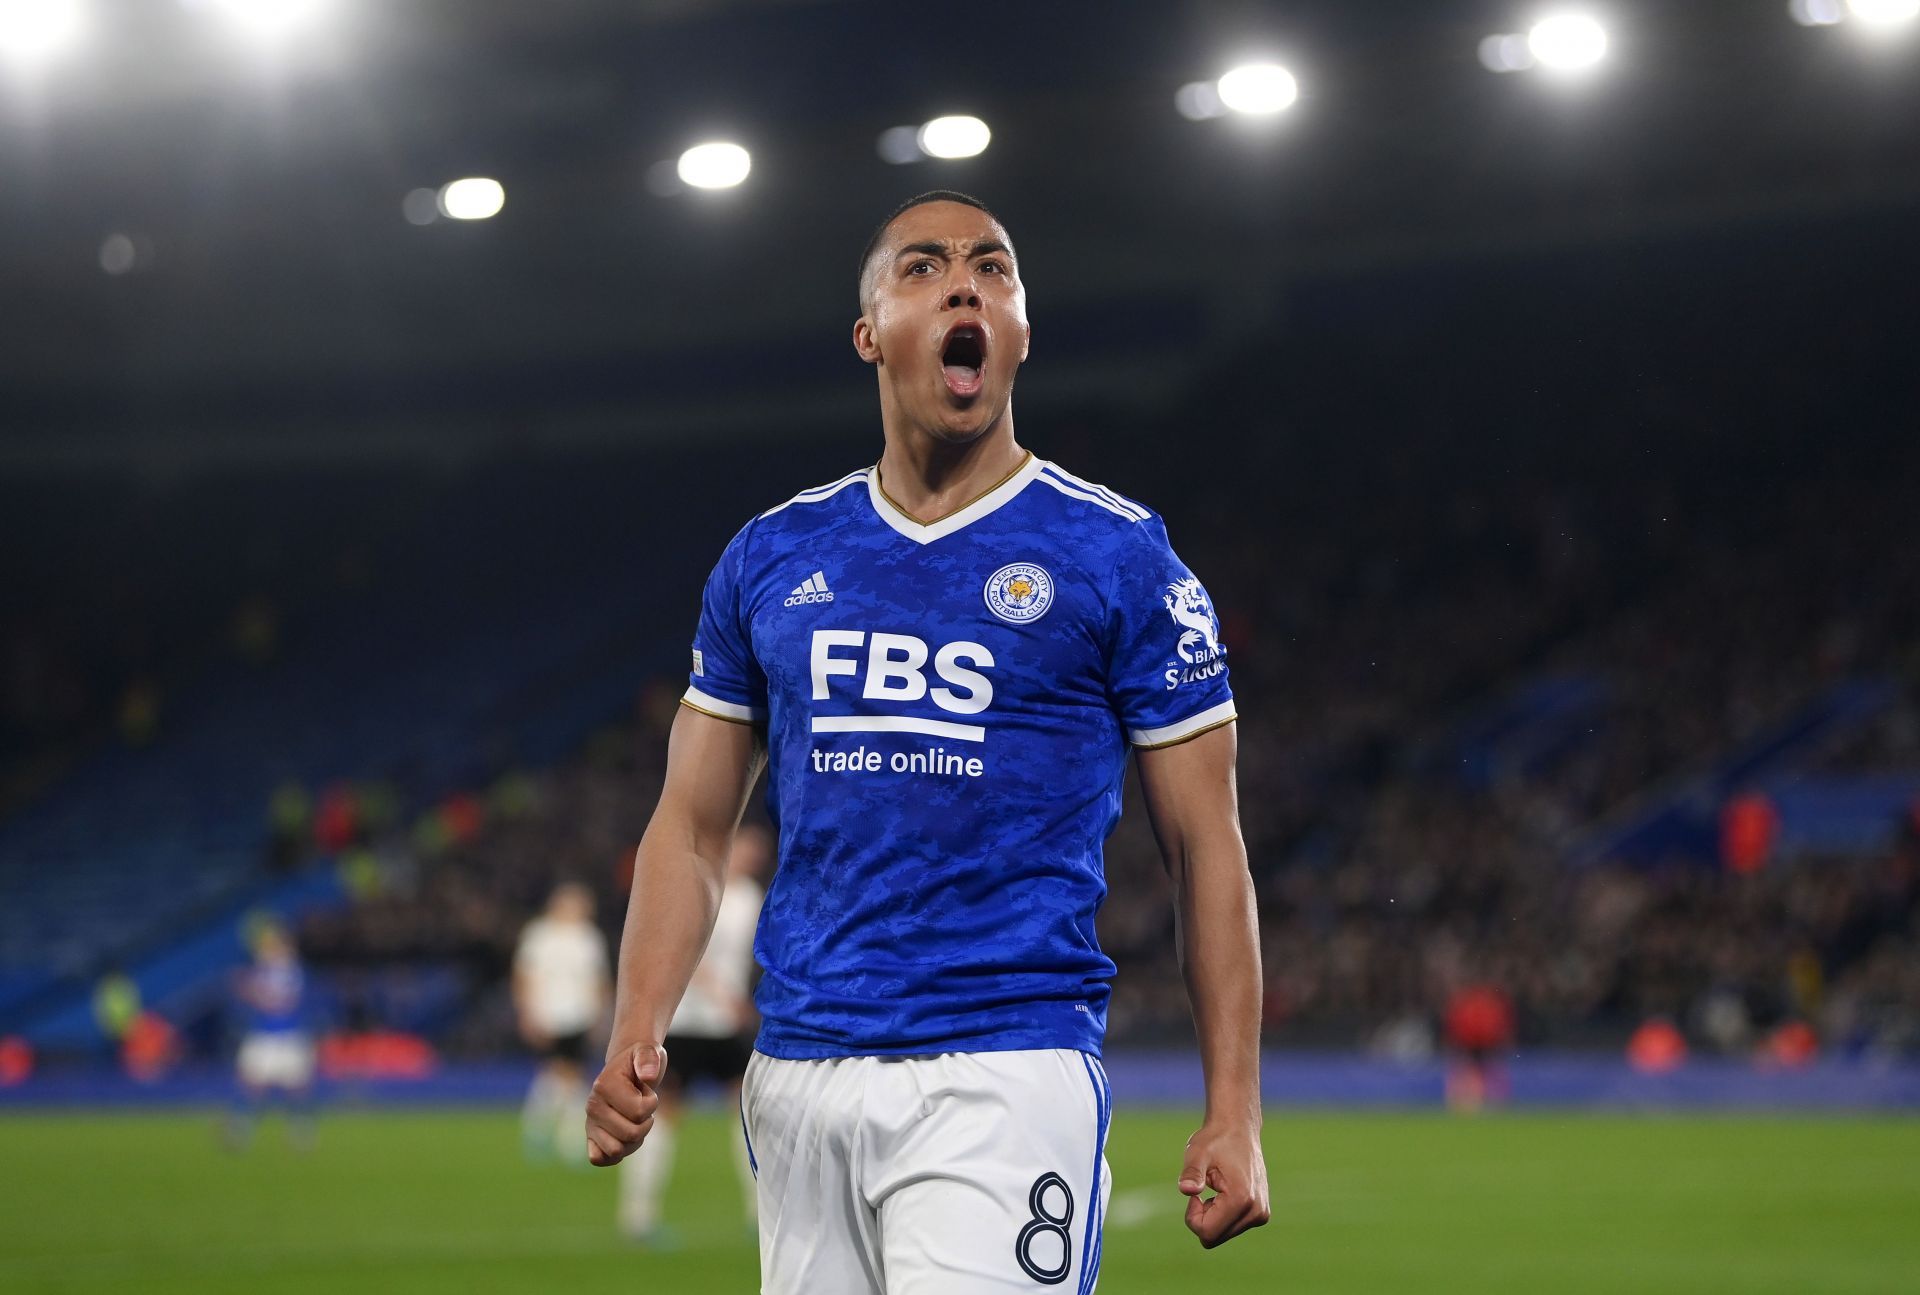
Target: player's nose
964,294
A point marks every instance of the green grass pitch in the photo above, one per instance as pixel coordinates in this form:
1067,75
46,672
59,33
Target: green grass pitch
1362,1203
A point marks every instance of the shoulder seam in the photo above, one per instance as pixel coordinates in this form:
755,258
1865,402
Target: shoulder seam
818,494
1139,510
1087,495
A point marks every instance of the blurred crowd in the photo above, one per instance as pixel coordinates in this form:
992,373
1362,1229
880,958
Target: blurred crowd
1442,893
1389,884
1713,538
455,883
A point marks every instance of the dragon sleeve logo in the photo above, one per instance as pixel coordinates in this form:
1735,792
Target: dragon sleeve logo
1188,604
1199,643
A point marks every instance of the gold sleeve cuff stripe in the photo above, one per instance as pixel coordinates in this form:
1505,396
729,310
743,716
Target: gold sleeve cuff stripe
715,715
733,713
1184,730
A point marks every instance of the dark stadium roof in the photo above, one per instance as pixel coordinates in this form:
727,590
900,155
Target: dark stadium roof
280,281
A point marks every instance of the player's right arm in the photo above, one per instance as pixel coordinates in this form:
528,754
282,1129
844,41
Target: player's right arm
678,878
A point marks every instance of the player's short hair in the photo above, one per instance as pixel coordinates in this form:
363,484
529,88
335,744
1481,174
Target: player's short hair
918,200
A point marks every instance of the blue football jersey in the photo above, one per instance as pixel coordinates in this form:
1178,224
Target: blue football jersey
275,997
948,710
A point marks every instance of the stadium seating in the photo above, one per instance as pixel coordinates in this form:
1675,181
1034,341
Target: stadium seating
1496,684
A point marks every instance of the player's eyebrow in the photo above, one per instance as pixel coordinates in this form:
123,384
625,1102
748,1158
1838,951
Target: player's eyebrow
981,248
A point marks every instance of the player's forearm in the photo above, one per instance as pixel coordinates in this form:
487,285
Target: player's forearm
1220,959
677,883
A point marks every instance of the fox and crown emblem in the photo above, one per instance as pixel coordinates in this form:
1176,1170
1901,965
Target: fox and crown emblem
1019,592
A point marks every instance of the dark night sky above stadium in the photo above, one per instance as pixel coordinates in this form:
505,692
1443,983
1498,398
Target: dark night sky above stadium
278,288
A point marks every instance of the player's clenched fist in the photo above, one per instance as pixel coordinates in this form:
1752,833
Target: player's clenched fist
620,1107
1228,1162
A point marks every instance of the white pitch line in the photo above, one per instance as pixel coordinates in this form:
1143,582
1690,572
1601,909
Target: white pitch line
1130,1209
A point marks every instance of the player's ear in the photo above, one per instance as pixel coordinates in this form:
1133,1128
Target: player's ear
866,342
1026,341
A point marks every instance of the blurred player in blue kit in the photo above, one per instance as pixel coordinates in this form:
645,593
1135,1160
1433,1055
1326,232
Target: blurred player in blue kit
944,661
276,1054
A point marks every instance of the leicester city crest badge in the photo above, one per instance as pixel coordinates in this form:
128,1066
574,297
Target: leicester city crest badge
1019,592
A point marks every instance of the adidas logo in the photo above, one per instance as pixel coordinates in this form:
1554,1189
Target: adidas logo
811,590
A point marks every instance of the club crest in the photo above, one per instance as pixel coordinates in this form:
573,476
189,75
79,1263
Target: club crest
1019,592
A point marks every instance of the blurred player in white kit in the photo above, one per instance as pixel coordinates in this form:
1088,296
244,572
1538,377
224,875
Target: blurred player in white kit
561,990
711,1038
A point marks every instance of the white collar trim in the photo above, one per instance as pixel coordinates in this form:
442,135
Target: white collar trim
927,533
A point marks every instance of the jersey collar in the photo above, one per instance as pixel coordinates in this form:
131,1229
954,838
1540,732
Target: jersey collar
928,532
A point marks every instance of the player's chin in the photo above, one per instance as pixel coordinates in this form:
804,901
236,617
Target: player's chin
959,421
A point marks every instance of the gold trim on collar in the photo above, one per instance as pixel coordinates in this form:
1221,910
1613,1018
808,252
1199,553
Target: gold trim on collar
959,508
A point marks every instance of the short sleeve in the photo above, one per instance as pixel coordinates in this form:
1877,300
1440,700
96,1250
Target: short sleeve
1166,666
726,681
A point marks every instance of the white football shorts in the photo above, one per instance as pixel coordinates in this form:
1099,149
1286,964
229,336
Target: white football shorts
952,1174
276,1060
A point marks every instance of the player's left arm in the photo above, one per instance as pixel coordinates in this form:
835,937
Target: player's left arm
1191,799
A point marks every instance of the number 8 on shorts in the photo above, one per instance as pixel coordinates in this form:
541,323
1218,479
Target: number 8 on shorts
1045,1248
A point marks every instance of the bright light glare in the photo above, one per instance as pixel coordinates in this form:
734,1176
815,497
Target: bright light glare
1258,89
718,165
1505,53
118,254
271,19
475,198
899,145
952,137
1199,101
37,29
420,206
1817,13
1567,41
1884,13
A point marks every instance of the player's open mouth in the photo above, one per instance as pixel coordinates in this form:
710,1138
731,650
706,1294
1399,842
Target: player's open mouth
963,359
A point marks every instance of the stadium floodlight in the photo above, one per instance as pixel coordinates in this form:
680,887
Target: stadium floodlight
1506,52
954,137
715,165
1258,89
899,145
36,30
421,206
271,20
1199,101
119,254
474,198
1818,13
1567,42
1884,13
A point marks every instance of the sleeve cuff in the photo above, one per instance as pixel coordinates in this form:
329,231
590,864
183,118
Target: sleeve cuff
708,704
1190,727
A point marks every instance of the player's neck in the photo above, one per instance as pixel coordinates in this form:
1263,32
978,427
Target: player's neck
928,478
